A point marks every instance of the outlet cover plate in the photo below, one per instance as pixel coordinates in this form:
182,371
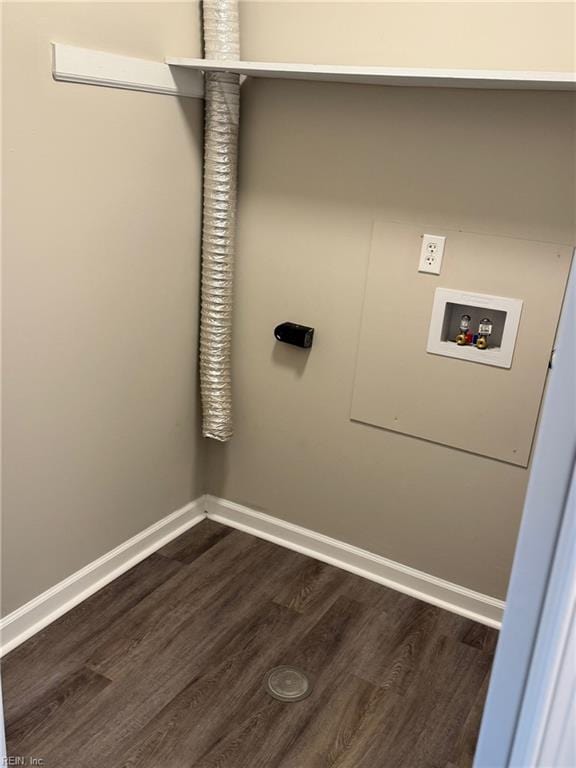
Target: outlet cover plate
431,254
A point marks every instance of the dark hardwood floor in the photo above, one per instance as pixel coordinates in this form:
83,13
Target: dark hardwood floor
164,668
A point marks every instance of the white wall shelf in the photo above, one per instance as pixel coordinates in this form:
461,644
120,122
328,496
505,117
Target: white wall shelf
436,78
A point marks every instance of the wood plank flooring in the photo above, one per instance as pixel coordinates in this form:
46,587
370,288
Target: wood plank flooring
164,668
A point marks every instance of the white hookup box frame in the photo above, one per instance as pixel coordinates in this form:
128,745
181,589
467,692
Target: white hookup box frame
439,344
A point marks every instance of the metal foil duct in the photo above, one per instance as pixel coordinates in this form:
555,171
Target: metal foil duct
222,107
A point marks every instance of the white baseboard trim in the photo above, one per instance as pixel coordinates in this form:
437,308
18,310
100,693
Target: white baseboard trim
30,618
452,597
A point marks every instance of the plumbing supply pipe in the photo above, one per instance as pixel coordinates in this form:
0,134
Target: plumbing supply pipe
222,107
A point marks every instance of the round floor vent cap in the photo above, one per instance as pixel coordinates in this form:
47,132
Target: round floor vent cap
288,684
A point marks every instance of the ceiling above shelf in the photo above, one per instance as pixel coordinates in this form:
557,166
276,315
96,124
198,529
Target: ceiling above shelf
435,78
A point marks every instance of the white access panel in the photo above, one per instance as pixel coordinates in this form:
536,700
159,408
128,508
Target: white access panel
490,410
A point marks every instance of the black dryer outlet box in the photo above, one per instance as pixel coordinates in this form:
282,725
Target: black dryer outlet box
295,334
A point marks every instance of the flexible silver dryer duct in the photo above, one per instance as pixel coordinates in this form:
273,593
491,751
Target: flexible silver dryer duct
222,106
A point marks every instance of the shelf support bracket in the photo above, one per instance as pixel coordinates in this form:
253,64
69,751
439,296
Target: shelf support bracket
89,67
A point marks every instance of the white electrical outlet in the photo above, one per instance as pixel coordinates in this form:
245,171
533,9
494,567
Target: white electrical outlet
431,254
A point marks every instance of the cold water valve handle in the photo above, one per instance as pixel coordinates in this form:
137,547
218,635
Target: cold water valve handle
484,331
